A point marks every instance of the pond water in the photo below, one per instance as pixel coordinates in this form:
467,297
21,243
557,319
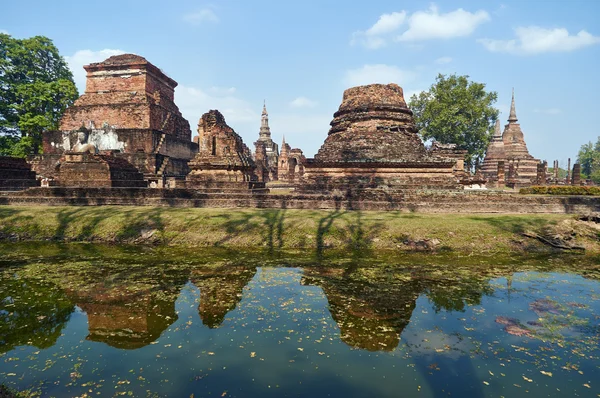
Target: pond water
91,320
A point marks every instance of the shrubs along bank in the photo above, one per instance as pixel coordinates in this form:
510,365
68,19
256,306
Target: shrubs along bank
561,190
310,230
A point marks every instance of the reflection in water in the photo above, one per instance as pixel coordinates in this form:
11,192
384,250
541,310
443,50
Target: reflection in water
32,312
220,291
354,326
128,310
371,317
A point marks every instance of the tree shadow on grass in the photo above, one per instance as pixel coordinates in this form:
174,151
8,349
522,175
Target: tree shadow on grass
515,224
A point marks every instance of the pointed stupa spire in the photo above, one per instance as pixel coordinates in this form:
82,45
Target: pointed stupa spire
265,131
497,131
512,118
283,142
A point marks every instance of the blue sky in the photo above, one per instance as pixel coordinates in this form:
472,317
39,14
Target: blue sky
301,55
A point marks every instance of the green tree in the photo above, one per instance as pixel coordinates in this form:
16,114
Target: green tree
457,111
36,86
589,159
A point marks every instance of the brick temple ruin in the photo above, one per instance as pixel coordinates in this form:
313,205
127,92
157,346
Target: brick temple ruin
129,111
224,161
373,144
125,142
507,161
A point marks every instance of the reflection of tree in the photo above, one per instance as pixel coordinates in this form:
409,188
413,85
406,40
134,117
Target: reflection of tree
456,296
31,312
220,291
370,316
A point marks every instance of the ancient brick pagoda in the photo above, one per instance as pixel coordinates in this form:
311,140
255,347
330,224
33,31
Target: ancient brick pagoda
224,161
373,143
128,107
507,160
266,163
291,163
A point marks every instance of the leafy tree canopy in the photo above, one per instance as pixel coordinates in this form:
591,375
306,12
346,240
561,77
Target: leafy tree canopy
36,86
457,111
589,159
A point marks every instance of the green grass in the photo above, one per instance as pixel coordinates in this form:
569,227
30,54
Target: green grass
275,229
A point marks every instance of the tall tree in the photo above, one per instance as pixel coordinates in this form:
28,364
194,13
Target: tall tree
457,111
36,86
589,159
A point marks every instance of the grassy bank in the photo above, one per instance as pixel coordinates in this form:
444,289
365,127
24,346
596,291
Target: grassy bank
294,229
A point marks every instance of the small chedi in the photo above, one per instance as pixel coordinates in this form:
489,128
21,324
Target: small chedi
507,160
16,174
266,151
291,163
224,161
373,143
84,167
128,108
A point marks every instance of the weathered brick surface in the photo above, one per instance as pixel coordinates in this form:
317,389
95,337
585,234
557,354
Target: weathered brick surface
373,140
16,173
422,201
85,170
520,168
223,156
127,92
128,109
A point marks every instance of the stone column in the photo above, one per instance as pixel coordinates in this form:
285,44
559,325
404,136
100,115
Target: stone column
541,173
568,181
500,173
576,177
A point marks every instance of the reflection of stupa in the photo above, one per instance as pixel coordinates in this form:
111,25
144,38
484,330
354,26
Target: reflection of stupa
132,312
220,291
370,317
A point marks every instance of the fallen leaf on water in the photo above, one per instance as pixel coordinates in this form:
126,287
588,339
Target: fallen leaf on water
252,354
546,373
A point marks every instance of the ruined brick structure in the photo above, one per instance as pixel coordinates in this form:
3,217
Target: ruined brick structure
291,163
520,166
129,108
86,170
223,160
271,159
493,155
373,143
260,161
576,179
15,174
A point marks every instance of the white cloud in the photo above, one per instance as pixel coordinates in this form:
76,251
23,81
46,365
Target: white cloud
379,73
303,102
409,93
536,40
194,102
201,16
387,23
222,91
371,38
430,24
548,111
443,60
85,57
422,25
4,31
